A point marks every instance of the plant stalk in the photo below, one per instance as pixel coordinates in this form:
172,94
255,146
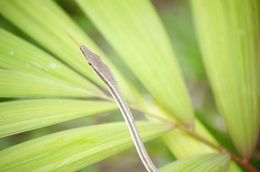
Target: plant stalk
242,162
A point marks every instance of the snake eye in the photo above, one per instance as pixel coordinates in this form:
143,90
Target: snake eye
90,64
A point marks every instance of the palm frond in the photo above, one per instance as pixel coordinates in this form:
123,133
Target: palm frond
74,149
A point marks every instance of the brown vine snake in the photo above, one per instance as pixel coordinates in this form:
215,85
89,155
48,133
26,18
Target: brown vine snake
106,75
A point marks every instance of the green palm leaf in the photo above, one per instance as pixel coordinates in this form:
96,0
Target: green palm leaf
55,39
74,149
230,51
205,163
22,59
182,145
56,36
26,115
149,55
17,84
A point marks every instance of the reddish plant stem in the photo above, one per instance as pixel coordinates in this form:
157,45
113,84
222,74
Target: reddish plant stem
242,162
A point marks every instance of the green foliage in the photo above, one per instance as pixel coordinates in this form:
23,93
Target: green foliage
183,146
148,63
45,112
19,55
230,46
53,34
56,35
17,84
45,80
205,163
74,149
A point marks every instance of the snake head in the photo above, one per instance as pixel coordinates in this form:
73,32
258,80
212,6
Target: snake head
98,65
